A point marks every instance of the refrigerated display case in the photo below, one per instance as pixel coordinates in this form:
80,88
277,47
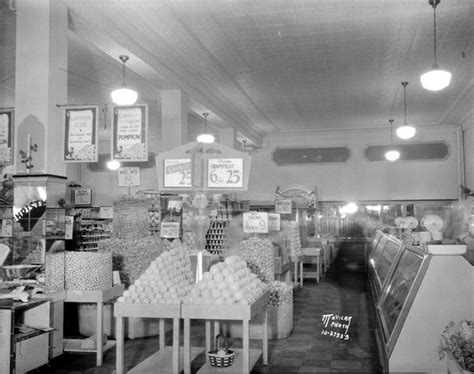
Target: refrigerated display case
422,294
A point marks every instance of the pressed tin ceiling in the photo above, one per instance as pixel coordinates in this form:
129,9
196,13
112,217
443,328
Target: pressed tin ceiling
275,66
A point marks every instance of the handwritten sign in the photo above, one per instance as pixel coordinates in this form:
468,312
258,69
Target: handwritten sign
6,126
106,212
129,176
130,125
80,144
283,206
177,172
336,325
170,230
255,222
273,222
225,173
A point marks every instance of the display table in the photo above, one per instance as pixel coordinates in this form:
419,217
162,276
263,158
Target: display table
98,297
245,358
313,256
167,359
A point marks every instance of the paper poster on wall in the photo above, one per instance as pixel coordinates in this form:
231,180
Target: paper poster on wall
80,142
7,228
130,131
68,227
255,222
170,230
129,176
225,173
177,172
273,222
6,136
283,206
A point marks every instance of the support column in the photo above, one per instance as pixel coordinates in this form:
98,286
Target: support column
40,83
174,119
227,136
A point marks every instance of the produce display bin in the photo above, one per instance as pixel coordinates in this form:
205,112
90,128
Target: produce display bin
245,358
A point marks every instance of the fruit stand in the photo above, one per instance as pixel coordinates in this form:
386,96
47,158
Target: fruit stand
245,357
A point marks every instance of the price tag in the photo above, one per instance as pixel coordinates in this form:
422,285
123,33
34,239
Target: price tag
129,176
225,172
170,230
7,228
273,222
177,172
255,222
283,206
106,212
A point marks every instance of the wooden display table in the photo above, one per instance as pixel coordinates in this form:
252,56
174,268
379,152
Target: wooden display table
98,297
245,358
167,359
313,256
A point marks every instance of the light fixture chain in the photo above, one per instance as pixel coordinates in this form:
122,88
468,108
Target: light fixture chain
123,74
434,35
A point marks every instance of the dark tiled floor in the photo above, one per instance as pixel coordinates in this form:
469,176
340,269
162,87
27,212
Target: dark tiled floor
305,351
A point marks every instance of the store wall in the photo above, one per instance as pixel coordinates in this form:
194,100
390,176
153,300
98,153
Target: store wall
357,178
468,127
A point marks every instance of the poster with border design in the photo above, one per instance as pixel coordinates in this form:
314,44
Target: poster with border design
7,118
80,135
130,133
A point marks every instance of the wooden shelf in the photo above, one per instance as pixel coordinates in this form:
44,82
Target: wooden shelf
147,310
163,360
74,345
237,366
94,296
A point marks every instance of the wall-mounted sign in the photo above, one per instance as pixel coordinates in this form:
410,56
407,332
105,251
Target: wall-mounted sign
283,206
255,222
170,230
177,172
7,228
273,222
129,176
225,172
6,136
81,196
130,131
80,142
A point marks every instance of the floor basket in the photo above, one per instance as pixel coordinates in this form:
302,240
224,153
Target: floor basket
221,357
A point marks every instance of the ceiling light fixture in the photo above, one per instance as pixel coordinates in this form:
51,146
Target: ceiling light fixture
406,131
124,95
435,79
113,164
206,137
392,154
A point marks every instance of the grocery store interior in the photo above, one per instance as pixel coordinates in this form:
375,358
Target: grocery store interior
224,186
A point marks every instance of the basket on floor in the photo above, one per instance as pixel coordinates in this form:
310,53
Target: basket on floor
221,357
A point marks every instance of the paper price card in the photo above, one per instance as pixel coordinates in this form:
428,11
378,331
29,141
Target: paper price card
177,173
170,230
283,206
255,222
225,172
273,222
129,176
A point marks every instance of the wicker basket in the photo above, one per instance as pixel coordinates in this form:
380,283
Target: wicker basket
221,357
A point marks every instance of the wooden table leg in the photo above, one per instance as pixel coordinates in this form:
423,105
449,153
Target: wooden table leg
99,332
208,335
187,346
162,333
318,264
245,346
295,272
301,274
217,330
265,337
119,337
176,345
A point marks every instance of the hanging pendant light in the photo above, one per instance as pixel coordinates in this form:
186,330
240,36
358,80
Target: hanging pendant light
113,165
124,95
206,137
392,154
406,131
435,79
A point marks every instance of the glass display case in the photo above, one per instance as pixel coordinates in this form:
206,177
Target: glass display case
386,258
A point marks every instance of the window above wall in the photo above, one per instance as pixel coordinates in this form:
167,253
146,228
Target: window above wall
283,156
410,152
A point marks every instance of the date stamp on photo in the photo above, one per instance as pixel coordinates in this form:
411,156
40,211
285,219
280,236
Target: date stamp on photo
336,325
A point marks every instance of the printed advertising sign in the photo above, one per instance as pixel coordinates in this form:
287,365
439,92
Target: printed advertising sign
80,144
6,139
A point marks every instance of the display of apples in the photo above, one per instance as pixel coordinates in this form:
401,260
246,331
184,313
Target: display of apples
168,279
229,282
258,253
154,217
280,293
188,219
291,232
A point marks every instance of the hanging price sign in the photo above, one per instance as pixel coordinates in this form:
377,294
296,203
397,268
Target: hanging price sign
273,222
283,206
177,172
225,173
255,222
170,230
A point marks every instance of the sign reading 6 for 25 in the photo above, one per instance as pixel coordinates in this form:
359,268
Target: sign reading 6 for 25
225,172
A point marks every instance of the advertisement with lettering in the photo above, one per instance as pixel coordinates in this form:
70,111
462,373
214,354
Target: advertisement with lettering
6,140
283,206
273,222
129,176
80,143
177,173
255,223
130,130
225,173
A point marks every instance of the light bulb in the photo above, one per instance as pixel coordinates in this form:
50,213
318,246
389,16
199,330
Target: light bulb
113,164
392,155
435,80
205,138
124,96
406,132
